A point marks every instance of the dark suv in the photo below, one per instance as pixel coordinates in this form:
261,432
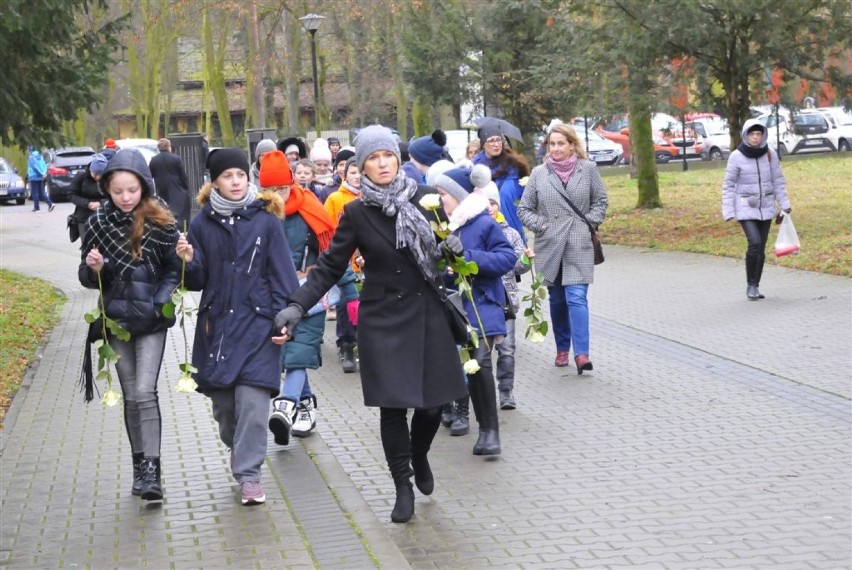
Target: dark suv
64,165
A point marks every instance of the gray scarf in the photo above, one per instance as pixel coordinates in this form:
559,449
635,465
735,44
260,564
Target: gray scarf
225,207
412,228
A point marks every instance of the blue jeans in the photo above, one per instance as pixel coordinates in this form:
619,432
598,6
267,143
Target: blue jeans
295,385
569,313
37,191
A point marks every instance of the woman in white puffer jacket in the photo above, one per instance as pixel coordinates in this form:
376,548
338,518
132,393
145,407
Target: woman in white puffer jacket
753,190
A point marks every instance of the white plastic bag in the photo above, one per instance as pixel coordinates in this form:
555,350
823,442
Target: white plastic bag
787,242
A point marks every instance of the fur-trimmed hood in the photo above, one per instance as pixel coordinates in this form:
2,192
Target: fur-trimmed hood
274,202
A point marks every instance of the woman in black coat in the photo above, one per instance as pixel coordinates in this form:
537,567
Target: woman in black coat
408,355
86,193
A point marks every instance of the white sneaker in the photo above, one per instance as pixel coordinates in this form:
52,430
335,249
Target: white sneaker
281,420
306,417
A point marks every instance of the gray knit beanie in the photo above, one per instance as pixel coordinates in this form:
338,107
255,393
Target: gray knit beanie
460,182
373,138
264,146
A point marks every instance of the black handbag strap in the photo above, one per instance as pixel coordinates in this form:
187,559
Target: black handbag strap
573,207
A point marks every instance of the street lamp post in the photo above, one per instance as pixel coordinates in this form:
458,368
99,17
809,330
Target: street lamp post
311,23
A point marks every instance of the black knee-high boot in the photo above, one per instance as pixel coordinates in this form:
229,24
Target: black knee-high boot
483,396
424,426
396,443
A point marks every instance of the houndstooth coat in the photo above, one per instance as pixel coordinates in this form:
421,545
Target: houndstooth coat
562,239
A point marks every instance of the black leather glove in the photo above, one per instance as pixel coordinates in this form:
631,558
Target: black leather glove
288,318
453,245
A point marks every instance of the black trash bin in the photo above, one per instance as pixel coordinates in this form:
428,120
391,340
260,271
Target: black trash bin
188,146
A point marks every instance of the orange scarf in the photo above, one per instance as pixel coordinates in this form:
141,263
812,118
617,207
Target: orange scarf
307,205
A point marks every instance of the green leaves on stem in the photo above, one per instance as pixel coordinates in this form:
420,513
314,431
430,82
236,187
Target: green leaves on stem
183,306
107,356
536,323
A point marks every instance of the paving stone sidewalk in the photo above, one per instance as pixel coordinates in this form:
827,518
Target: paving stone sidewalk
713,433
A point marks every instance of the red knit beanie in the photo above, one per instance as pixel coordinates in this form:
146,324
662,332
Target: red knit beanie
275,170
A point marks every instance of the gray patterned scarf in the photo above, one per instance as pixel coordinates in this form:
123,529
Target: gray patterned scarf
412,228
225,207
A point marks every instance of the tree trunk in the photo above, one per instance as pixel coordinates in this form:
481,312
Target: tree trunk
215,58
255,111
642,144
421,114
291,79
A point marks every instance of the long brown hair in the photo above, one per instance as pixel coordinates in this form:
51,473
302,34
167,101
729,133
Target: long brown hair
569,133
507,160
148,210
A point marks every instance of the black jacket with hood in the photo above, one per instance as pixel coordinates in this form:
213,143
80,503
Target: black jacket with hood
135,299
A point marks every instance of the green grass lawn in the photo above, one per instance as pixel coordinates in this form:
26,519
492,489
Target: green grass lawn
820,191
29,309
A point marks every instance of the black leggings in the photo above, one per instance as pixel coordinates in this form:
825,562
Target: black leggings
400,444
757,233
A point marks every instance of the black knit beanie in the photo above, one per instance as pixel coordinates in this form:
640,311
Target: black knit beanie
221,159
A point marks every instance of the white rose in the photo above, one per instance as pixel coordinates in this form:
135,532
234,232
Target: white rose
430,202
471,366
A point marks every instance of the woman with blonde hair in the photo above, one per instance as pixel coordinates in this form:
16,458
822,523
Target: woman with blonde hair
563,239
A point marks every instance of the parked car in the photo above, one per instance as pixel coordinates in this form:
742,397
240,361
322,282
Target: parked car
840,123
715,137
62,168
12,186
148,147
782,139
601,150
665,149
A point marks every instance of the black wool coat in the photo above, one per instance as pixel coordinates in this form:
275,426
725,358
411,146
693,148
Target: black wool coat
171,184
407,354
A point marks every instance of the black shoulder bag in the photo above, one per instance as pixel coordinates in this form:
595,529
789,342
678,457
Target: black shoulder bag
596,242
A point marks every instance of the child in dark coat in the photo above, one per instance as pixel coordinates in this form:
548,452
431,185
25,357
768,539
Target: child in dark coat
482,241
234,255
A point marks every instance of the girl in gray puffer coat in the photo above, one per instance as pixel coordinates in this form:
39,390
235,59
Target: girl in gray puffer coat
753,186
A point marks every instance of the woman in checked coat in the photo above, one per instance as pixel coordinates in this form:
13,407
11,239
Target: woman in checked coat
408,355
563,242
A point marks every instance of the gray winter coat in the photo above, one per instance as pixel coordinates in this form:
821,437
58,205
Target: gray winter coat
753,186
563,240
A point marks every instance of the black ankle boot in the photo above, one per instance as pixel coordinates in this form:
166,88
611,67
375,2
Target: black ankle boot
753,293
488,443
423,474
136,490
461,423
347,357
403,509
448,415
151,490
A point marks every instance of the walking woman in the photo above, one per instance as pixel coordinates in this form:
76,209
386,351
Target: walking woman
563,242
753,186
507,168
130,242
85,192
408,355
